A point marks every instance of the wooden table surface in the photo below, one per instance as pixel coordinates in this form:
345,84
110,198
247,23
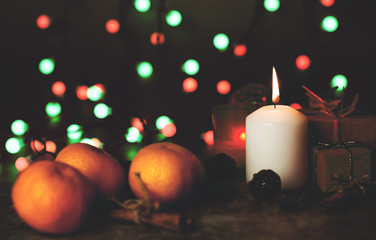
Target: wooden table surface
231,214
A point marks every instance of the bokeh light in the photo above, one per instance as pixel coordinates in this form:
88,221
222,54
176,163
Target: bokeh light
112,26
38,146
271,5
130,150
223,87
157,38
173,18
19,127
133,135
169,130
53,109
189,85
58,88
191,67
74,132
13,145
221,41
22,163
339,81
302,62
101,110
329,24
46,66
95,93
208,137
101,86
81,92
137,123
93,141
142,5
162,121
327,3
240,50
43,21
144,69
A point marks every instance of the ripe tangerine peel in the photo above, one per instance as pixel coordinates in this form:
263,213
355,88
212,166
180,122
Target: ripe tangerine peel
52,197
169,172
103,171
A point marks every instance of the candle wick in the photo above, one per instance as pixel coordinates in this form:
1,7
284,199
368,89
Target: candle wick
274,106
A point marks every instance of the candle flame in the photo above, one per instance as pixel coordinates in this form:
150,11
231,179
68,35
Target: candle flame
275,87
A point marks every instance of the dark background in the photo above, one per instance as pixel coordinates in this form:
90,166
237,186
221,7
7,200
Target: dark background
85,53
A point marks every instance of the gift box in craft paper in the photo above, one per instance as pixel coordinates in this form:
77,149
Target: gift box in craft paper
323,128
347,161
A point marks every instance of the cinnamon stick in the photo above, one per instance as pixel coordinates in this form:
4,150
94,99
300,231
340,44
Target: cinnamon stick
170,221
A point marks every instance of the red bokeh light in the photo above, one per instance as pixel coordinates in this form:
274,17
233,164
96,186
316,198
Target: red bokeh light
81,92
101,86
303,62
327,3
58,88
38,146
21,164
189,85
169,130
43,21
157,38
137,123
240,50
112,26
223,87
208,137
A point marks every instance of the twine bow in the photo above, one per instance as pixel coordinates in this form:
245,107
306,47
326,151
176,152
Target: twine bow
140,207
333,109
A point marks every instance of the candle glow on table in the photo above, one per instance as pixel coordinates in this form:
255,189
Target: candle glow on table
276,139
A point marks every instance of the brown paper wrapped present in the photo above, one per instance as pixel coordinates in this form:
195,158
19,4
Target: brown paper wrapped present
323,128
347,161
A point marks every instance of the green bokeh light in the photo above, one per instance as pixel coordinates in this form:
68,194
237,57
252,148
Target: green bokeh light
133,135
191,67
19,127
272,5
46,66
13,145
53,109
173,18
94,93
144,69
74,132
329,24
142,5
162,121
339,81
131,150
221,41
101,110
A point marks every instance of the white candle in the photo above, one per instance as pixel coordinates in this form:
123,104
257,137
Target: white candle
276,139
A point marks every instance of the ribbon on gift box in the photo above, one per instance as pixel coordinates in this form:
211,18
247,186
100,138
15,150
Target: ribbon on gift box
339,145
333,109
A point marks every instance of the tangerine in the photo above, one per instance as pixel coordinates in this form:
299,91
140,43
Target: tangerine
52,197
103,170
170,173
